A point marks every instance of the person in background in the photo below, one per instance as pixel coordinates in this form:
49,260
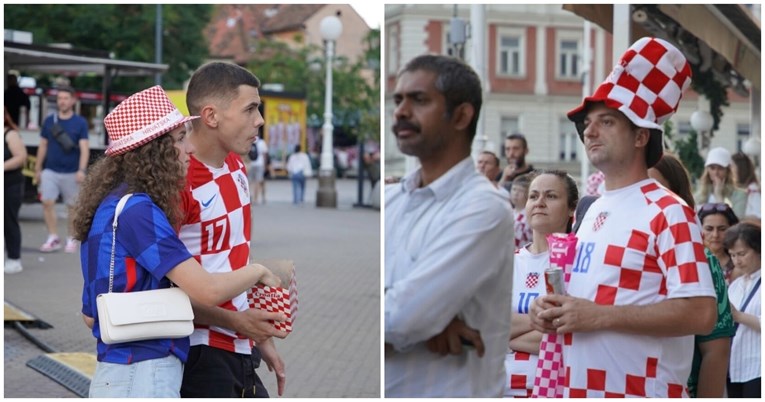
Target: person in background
715,219
488,165
15,157
148,157
743,242
58,170
718,184
298,167
257,171
711,351
518,196
15,98
551,203
516,149
746,177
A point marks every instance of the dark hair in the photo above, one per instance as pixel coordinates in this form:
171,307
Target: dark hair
496,158
677,175
152,168
572,191
455,80
297,148
745,172
748,232
217,80
520,137
720,208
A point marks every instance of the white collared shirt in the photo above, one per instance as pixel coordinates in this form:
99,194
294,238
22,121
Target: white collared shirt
745,348
448,253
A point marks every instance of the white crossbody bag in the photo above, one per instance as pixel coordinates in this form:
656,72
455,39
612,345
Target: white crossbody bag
137,316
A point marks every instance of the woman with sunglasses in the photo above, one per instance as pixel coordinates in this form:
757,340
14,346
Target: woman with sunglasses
715,219
718,184
743,243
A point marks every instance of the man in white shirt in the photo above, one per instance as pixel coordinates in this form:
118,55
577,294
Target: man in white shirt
258,171
640,287
448,260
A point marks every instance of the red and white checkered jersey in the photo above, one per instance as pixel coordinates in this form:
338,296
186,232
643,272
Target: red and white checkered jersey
638,245
523,235
216,230
528,284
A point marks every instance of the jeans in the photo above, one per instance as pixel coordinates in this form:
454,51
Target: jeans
153,378
298,187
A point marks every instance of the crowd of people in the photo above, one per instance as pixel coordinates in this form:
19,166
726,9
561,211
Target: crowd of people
661,297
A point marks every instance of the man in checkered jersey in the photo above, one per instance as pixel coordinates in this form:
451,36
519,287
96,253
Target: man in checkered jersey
640,287
216,230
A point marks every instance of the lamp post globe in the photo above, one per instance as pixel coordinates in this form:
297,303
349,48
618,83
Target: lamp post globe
331,28
702,122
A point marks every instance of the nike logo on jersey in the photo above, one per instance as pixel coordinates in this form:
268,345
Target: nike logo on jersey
206,204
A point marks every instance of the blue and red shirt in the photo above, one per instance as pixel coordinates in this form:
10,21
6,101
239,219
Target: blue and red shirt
147,248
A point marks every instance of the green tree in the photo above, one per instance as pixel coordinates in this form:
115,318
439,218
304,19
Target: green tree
687,150
125,30
355,101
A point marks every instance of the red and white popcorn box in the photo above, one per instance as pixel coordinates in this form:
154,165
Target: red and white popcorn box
277,299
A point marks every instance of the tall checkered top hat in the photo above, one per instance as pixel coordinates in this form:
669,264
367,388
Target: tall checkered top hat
646,86
141,118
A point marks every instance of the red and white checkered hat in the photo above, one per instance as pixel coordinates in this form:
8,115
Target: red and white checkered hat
646,86
141,118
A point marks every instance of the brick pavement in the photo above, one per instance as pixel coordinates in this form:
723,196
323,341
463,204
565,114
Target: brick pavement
334,350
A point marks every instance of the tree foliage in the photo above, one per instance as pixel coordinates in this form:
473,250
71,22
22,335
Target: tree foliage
126,30
355,100
687,150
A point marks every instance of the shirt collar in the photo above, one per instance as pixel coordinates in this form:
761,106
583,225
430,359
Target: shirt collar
445,185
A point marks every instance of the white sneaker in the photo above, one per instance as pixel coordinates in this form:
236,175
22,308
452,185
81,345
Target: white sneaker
52,244
13,266
71,245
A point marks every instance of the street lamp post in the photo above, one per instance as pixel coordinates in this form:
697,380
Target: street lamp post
326,196
702,122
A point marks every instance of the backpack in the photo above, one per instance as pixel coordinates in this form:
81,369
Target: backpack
253,154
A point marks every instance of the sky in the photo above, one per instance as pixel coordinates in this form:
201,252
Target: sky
371,11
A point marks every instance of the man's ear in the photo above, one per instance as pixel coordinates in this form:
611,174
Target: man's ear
463,115
642,136
209,116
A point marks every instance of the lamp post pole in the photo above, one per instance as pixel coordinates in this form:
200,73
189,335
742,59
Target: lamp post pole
326,196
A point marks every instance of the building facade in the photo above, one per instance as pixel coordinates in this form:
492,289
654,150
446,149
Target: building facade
533,76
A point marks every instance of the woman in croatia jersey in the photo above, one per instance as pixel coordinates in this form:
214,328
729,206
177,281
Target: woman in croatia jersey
552,199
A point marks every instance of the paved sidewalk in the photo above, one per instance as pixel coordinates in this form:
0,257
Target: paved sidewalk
334,350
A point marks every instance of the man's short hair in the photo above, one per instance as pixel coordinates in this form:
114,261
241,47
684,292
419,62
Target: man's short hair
496,158
217,80
67,89
455,80
520,137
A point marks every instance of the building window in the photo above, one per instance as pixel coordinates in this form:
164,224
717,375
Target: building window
568,141
508,125
392,42
568,59
511,55
742,134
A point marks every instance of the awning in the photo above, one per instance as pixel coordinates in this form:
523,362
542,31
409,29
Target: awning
48,59
728,29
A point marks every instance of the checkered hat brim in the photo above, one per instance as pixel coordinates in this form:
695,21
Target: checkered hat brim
141,118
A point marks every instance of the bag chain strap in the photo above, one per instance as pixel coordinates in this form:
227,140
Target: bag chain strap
117,211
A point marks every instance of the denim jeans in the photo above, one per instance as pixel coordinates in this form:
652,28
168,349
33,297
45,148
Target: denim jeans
298,187
154,378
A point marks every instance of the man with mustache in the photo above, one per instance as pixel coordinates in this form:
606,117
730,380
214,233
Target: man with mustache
640,287
448,261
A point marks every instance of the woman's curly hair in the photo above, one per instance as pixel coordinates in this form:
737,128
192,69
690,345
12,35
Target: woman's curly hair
153,169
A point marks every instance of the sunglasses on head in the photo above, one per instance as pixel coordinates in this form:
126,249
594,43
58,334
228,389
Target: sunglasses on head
715,206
